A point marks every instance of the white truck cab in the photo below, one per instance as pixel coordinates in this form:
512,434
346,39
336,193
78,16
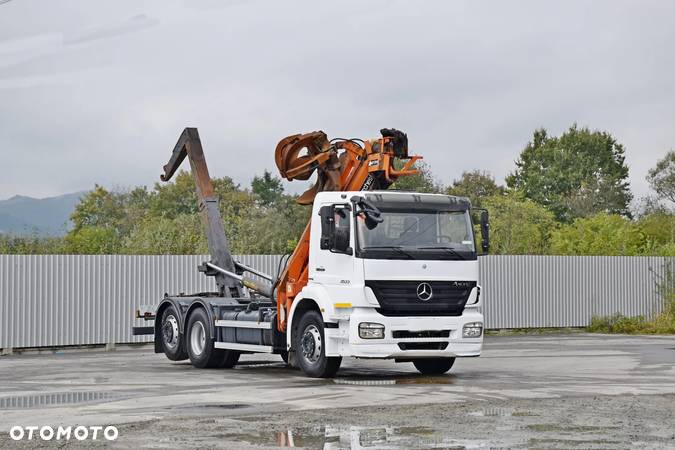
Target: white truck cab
394,275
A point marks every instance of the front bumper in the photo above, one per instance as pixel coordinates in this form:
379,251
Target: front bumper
345,341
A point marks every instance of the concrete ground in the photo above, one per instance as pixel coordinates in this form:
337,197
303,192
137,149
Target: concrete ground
533,391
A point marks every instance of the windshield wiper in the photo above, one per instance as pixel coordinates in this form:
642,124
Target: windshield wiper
390,247
447,249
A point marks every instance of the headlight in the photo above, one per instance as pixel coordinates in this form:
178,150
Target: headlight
369,330
472,330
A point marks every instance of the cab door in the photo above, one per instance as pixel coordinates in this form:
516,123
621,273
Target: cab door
334,263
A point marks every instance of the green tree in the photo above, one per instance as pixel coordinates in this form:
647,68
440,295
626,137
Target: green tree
601,234
662,177
518,226
98,208
240,214
423,181
98,223
476,185
181,235
30,245
278,229
578,174
658,229
92,240
136,203
267,188
180,196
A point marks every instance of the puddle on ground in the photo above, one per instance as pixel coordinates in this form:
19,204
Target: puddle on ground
554,427
209,408
574,443
398,380
57,399
357,437
347,437
335,437
448,379
339,437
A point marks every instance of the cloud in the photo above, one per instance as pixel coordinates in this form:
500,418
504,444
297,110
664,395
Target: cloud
133,24
100,93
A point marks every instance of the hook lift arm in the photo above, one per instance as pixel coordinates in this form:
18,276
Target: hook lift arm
228,272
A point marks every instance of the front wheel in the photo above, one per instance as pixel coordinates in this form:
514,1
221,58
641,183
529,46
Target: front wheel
434,366
310,348
200,346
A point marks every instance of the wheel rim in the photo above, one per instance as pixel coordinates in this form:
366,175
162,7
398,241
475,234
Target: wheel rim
170,331
197,338
311,344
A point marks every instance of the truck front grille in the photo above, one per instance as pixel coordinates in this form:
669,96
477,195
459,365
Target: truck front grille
399,298
400,334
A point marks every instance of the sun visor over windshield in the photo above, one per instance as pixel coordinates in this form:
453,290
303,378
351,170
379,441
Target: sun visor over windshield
419,201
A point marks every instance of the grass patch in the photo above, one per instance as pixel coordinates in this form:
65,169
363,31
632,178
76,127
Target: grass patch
519,331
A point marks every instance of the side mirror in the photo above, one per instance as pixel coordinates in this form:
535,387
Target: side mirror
327,227
335,238
485,231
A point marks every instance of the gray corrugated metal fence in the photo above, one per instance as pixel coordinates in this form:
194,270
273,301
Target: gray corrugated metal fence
566,291
57,300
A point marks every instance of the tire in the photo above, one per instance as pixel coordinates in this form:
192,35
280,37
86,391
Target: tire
200,346
230,358
173,342
434,366
310,349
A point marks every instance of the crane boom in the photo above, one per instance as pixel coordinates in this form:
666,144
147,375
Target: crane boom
341,165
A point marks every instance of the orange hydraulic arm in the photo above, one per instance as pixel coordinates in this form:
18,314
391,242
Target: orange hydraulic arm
341,165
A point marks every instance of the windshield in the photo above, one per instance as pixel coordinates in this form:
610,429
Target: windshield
417,234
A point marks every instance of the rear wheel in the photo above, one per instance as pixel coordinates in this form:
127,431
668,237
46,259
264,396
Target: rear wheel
173,343
434,366
200,345
310,348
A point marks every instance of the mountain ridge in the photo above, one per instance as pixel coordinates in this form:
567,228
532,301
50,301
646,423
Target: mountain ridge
21,215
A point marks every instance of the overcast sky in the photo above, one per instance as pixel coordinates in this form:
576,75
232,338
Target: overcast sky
98,92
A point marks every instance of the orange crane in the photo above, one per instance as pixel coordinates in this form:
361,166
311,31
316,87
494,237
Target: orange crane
341,165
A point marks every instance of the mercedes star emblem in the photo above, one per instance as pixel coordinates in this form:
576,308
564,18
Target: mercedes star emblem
424,292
